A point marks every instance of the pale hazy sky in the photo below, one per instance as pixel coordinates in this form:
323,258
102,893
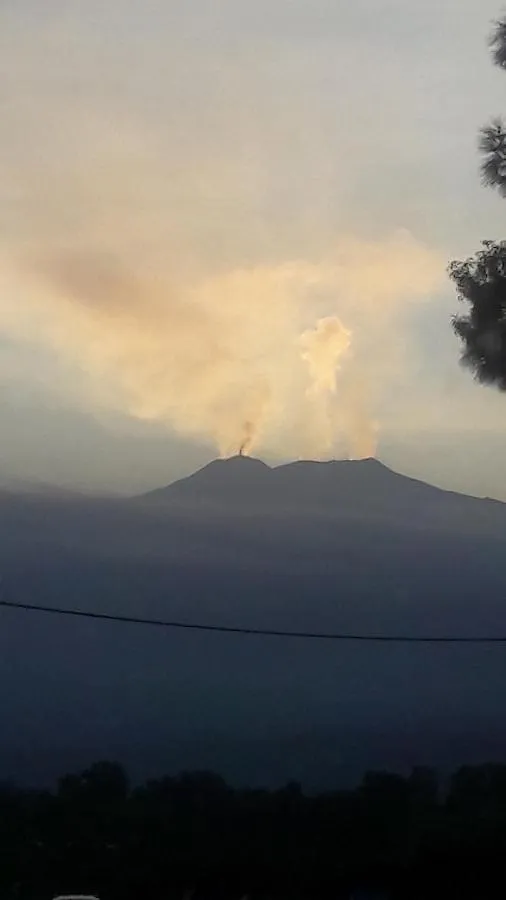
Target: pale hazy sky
192,194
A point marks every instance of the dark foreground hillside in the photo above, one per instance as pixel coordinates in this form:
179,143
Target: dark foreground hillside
193,835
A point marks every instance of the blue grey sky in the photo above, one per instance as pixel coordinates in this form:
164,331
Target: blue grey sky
230,221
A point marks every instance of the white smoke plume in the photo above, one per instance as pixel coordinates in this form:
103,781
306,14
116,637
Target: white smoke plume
323,348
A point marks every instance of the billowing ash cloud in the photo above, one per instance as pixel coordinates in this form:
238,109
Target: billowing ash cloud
145,269
242,358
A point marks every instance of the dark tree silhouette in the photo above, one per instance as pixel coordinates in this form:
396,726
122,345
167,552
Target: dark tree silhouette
481,279
481,283
492,145
498,43
193,835
492,142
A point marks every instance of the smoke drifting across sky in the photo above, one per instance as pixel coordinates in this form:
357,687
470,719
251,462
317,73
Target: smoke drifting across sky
181,280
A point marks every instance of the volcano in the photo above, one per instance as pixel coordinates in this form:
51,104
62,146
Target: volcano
340,488
340,546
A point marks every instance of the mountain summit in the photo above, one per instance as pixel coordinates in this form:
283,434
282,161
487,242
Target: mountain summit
242,483
236,480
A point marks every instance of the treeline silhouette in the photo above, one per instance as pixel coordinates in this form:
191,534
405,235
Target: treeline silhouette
408,836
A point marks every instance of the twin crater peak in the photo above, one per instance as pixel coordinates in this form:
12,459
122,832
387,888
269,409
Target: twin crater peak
249,483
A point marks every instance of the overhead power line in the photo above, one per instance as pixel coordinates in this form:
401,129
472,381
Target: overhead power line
258,632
